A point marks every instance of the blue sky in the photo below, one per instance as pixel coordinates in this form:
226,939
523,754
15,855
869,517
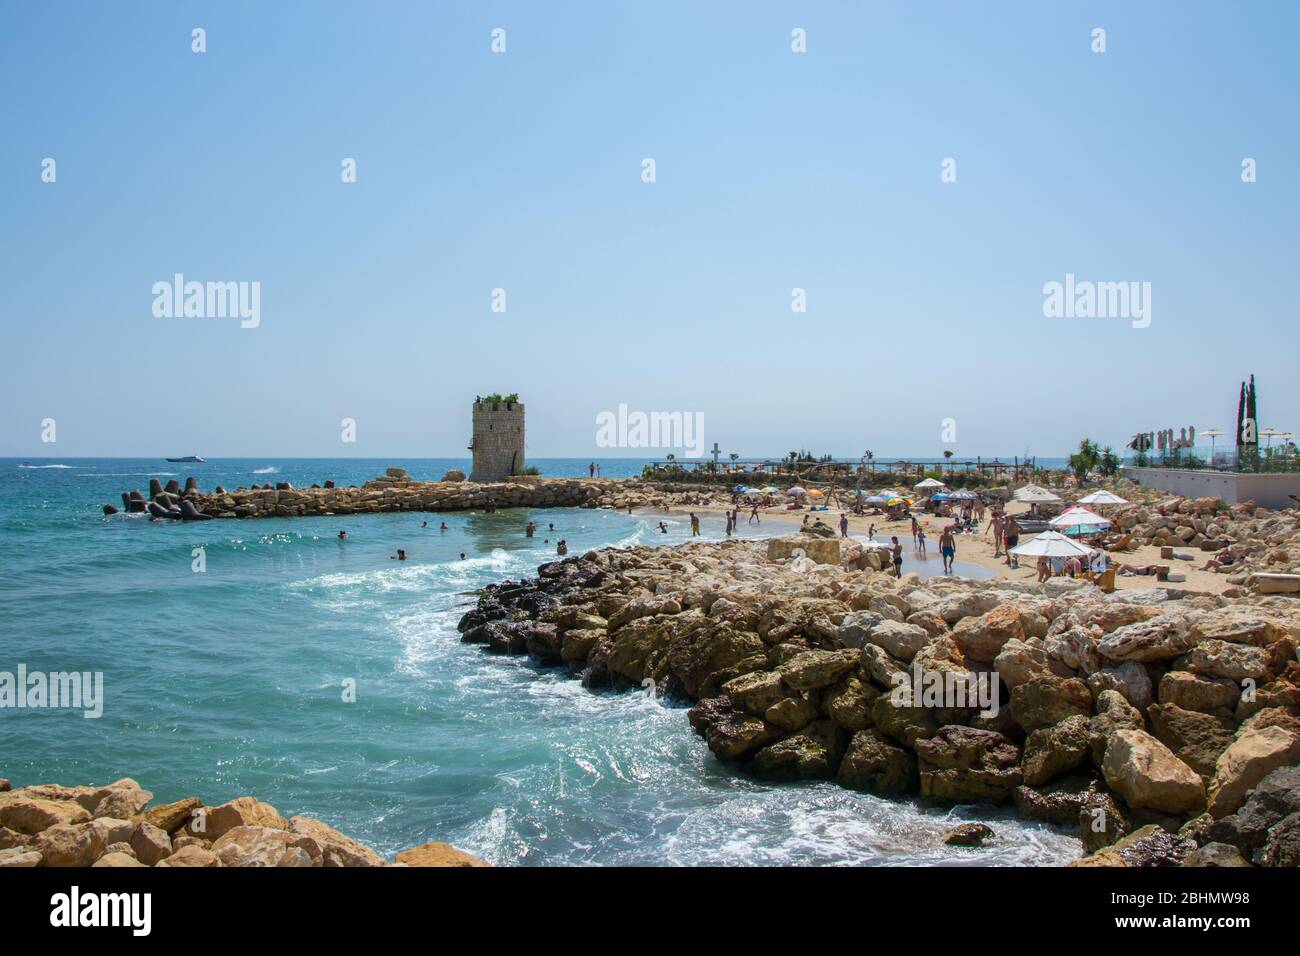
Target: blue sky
522,171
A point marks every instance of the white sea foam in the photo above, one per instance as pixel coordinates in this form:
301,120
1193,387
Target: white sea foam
268,470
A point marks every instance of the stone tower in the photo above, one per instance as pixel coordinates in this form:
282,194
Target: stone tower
498,443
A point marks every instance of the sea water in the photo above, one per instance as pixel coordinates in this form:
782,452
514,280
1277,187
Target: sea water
233,680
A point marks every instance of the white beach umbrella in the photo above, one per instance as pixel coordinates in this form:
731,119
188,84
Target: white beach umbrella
1033,493
796,491
929,483
1076,517
1103,497
964,496
1050,544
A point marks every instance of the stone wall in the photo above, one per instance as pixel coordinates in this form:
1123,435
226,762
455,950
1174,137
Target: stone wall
394,491
498,443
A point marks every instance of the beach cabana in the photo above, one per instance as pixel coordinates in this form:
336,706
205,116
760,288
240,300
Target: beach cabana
1034,493
1103,497
1051,544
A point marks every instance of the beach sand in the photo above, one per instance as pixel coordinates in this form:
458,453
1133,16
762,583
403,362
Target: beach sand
978,549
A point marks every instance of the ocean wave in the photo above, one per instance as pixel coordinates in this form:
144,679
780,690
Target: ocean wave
268,470
38,467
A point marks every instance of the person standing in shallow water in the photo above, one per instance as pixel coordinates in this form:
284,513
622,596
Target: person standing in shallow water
844,526
947,549
695,525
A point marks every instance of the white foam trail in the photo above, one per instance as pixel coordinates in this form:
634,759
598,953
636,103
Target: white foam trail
268,470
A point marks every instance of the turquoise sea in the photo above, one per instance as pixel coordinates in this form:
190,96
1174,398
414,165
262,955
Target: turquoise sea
230,681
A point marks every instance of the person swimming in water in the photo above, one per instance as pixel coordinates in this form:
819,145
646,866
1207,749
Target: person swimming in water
462,555
444,527
399,556
663,528
343,535
424,524
561,548
529,529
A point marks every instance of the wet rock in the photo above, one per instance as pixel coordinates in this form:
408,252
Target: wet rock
1058,802
874,764
812,754
964,765
968,834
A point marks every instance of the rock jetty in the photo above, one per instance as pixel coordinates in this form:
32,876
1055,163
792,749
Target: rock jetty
116,826
1163,725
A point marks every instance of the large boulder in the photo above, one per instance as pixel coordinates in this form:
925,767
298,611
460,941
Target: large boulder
965,765
1158,639
1146,774
1215,658
814,669
1247,761
756,691
734,736
982,638
30,814
811,754
875,764
1055,750
170,817
437,854
1196,739
1190,691
1047,700
265,846
212,823
848,702
336,849
1276,796
899,639
1129,679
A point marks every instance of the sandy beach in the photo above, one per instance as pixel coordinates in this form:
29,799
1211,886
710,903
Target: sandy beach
978,549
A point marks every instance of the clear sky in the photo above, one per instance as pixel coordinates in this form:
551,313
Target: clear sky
775,170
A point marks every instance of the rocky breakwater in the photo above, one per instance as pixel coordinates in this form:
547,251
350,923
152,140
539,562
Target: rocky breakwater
393,491
118,826
1264,544
1163,727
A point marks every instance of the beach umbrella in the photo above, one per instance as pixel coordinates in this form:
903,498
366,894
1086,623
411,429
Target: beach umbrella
963,495
1032,493
770,490
1079,521
1103,497
739,489
796,491
1050,544
941,496
929,483
874,500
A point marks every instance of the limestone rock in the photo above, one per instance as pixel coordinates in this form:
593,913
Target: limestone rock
1158,639
1215,855
1196,739
336,849
437,854
1214,658
874,764
191,856
968,834
982,638
1194,692
812,754
27,814
964,765
1146,774
815,669
1055,750
1047,700
1249,759
212,823
170,817
151,844
265,846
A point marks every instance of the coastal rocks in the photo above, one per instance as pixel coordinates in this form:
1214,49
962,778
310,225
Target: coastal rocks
816,549
437,854
1058,802
1206,695
191,856
755,692
874,764
1219,855
1159,639
1246,762
1046,700
1149,846
1215,658
982,638
170,817
1196,739
454,474
1055,750
150,844
261,846
1146,774
212,823
26,814
815,669
968,834
1130,680
965,765
812,754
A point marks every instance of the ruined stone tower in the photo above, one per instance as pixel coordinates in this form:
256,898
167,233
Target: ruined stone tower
498,443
